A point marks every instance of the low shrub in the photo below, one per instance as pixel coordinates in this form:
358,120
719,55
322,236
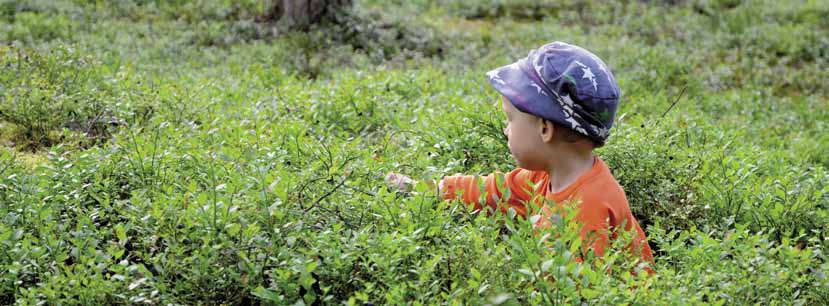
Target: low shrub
62,96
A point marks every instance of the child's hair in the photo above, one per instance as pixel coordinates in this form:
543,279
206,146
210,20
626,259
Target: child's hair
569,135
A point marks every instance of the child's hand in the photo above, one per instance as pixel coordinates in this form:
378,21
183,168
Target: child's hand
404,183
400,182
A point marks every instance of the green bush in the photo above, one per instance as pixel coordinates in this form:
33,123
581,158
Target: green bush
60,95
35,27
42,93
235,178
658,175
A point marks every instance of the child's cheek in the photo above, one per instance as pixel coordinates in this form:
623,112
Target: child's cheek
511,151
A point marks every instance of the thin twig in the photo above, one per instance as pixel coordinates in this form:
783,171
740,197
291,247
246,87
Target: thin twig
676,100
327,194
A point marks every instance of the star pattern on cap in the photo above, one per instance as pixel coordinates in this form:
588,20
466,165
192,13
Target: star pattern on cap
539,68
588,74
567,100
493,75
602,67
538,88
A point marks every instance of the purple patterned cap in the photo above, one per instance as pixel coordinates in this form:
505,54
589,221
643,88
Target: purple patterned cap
563,83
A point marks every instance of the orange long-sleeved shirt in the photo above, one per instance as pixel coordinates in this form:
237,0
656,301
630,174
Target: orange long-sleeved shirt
603,209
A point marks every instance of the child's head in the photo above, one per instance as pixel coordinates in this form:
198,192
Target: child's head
561,90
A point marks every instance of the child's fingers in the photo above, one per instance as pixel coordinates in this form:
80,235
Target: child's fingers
399,181
392,178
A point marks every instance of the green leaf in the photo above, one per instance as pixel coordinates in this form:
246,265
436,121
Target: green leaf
265,294
120,233
511,213
589,294
311,266
475,273
500,299
545,266
526,272
233,229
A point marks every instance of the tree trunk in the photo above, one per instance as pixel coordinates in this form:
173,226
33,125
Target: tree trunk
300,15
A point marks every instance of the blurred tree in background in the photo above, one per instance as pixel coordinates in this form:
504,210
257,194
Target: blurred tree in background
301,14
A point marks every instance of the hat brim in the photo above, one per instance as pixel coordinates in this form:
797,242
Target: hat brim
524,93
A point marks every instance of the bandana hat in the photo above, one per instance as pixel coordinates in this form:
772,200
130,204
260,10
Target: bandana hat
565,84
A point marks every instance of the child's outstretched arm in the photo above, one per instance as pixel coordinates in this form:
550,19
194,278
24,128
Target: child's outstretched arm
498,191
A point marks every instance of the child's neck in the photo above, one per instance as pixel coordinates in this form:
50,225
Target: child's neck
567,166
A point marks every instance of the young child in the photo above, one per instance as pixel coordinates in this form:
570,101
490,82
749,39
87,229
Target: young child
560,102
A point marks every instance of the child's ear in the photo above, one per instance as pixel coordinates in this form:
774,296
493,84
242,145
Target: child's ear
547,130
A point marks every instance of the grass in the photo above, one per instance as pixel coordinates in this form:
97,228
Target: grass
177,153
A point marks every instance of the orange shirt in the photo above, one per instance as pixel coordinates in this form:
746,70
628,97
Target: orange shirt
603,209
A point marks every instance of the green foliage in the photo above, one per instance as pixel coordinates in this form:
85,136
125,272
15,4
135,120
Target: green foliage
241,168
56,95
44,93
33,27
658,175
517,10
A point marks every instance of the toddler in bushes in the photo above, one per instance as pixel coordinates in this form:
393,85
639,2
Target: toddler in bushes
560,102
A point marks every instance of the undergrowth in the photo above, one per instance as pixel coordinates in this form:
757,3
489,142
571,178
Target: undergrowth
177,152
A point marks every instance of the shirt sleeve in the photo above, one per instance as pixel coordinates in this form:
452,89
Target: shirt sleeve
498,191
